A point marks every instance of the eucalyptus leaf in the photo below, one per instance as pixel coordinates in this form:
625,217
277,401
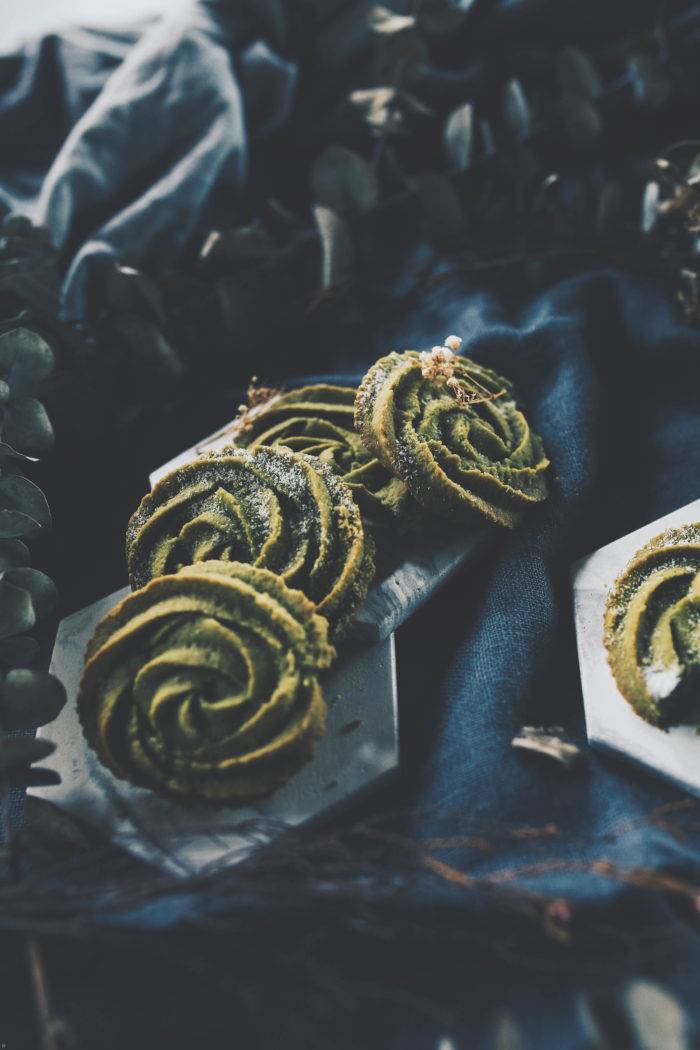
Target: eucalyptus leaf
446,217
516,109
337,248
459,136
382,20
581,119
18,652
13,554
19,751
20,496
344,181
693,174
650,207
14,523
8,452
25,358
650,82
40,588
128,291
27,426
577,73
16,611
30,698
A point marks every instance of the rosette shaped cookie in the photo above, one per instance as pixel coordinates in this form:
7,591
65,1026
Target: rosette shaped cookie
269,507
203,686
455,437
652,628
318,420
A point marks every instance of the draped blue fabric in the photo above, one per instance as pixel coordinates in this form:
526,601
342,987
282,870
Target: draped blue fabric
129,146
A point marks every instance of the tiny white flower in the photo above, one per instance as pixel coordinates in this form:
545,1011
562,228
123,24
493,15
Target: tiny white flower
453,342
437,364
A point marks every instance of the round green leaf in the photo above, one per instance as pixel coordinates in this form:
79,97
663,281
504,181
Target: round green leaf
577,73
40,587
14,523
18,652
16,610
27,426
25,358
19,751
21,499
30,698
128,291
11,453
458,136
344,181
13,553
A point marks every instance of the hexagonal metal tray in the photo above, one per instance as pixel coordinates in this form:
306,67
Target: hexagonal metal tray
611,722
358,752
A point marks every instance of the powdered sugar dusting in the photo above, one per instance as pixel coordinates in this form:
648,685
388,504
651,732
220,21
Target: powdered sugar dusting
662,680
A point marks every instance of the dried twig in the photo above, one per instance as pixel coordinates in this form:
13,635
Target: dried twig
548,742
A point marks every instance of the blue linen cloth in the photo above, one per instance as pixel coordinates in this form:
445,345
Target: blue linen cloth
609,375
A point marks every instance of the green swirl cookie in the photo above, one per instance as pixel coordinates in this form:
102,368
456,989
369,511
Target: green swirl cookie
203,686
268,507
318,420
652,628
461,456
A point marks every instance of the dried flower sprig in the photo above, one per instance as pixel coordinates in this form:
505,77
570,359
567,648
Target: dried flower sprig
256,396
438,365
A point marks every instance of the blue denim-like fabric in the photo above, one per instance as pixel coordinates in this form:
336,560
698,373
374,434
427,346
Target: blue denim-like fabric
609,375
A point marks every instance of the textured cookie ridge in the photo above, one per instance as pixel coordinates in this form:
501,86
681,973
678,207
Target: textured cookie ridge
319,420
269,507
452,431
203,686
652,628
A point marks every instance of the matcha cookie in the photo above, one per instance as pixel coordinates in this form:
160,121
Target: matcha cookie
652,628
451,430
269,507
318,420
203,686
